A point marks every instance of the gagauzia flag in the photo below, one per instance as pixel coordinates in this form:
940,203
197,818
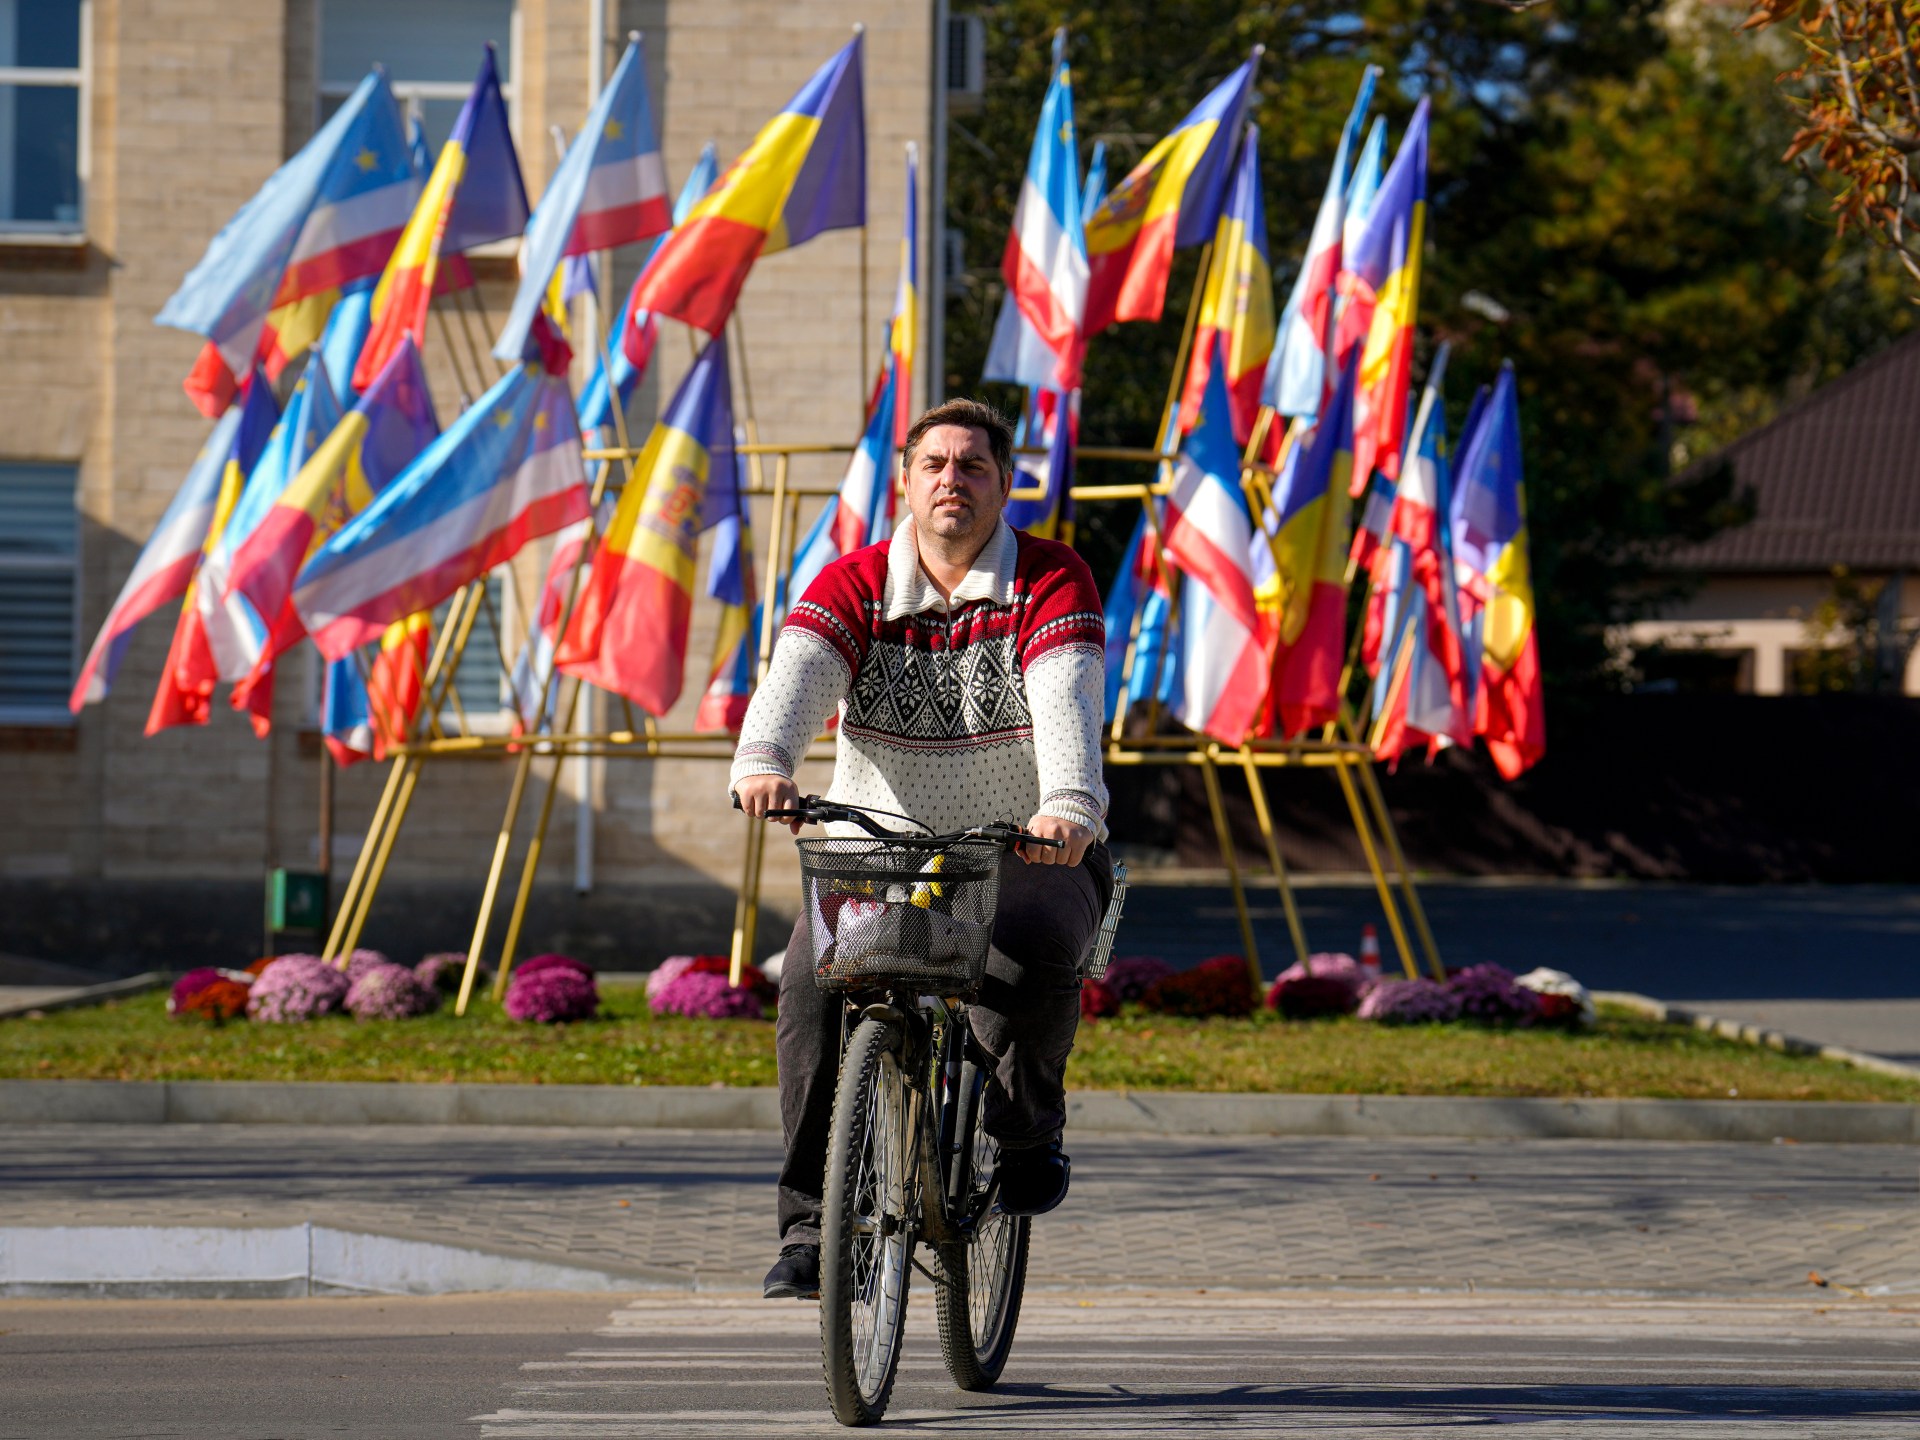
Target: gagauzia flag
1489,514
1209,529
1307,533
186,683
345,337
635,332
506,472
1386,272
374,442
534,710
1297,374
805,172
474,196
610,189
330,215
1039,339
1170,200
1235,328
628,633
165,566
346,726
1139,603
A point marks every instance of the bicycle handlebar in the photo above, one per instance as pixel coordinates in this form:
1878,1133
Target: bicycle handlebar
812,810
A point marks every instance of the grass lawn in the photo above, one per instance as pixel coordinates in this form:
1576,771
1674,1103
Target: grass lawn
1624,1055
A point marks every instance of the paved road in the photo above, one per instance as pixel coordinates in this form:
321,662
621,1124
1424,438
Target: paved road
694,1209
1095,1363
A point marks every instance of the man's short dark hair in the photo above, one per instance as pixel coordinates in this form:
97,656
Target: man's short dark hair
974,415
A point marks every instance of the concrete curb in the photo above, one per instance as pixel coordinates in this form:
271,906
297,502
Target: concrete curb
90,994
1755,1034
242,1102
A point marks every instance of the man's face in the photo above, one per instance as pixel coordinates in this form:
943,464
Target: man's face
954,489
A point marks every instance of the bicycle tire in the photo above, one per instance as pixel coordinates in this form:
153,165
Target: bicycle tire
866,1231
981,1282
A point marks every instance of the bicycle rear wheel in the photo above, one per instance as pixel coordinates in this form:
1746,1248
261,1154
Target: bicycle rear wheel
981,1282
866,1230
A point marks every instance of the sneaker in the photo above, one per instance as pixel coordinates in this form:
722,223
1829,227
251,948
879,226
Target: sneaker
1033,1181
795,1275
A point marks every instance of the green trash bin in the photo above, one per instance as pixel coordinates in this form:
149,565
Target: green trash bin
296,901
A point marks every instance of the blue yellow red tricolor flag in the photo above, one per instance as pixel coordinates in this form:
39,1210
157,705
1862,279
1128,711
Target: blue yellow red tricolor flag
506,472
903,327
474,196
1171,199
628,633
1385,270
1235,326
1489,513
805,172
1307,535
331,214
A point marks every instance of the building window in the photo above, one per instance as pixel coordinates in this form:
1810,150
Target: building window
478,679
43,115
39,548
431,49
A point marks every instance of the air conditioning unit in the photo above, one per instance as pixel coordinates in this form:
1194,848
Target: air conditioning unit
966,63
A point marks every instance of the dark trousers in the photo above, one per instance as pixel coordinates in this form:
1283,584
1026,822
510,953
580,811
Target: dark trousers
1025,1018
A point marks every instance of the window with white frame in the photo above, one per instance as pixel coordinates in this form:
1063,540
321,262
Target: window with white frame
431,49
39,551
479,679
43,116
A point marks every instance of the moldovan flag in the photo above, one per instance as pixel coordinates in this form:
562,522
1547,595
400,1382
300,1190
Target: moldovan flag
723,704
611,189
634,332
1386,276
1308,532
331,214
474,196
187,681
903,327
1039,339
1296,377
165,567
629,628
398,680
388,426
1209,527
1169,201
805,172
1489,513
506,472
1235,327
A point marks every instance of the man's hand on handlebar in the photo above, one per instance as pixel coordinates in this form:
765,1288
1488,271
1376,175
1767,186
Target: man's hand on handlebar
760,793
1075,840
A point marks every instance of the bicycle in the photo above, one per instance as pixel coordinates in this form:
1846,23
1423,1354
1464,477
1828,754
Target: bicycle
900,925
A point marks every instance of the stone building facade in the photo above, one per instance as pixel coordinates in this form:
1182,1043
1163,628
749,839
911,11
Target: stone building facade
122,850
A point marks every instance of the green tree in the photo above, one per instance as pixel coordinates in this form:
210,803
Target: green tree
1606,210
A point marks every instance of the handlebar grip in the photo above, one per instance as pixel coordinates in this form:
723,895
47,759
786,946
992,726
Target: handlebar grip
1026,839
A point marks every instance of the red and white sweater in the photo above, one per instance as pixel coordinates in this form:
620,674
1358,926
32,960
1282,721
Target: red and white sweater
983,707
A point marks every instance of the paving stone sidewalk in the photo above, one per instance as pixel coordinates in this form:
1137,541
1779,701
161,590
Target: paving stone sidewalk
695,1209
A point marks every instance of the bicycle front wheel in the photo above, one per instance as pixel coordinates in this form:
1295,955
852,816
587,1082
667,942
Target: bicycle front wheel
866,1229
981,1281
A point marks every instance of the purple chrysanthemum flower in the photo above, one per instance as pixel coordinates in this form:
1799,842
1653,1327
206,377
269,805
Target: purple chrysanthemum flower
1491,995
390,992
361,961
1410,1002
1341,970
1131,975
551,995
534,965
707,997
668,971
296,987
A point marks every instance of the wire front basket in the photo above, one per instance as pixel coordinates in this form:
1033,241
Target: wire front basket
1101,950
881,913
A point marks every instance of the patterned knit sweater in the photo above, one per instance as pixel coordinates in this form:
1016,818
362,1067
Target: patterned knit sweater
983,707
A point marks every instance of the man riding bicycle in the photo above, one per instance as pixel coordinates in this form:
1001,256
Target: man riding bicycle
967,661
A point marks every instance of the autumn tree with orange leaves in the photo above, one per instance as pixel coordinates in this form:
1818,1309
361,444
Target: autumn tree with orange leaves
1858,91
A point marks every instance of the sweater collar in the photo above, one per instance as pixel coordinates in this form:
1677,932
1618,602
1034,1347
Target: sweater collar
909,591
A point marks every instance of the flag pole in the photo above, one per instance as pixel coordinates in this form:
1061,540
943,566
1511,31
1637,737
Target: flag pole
860,380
